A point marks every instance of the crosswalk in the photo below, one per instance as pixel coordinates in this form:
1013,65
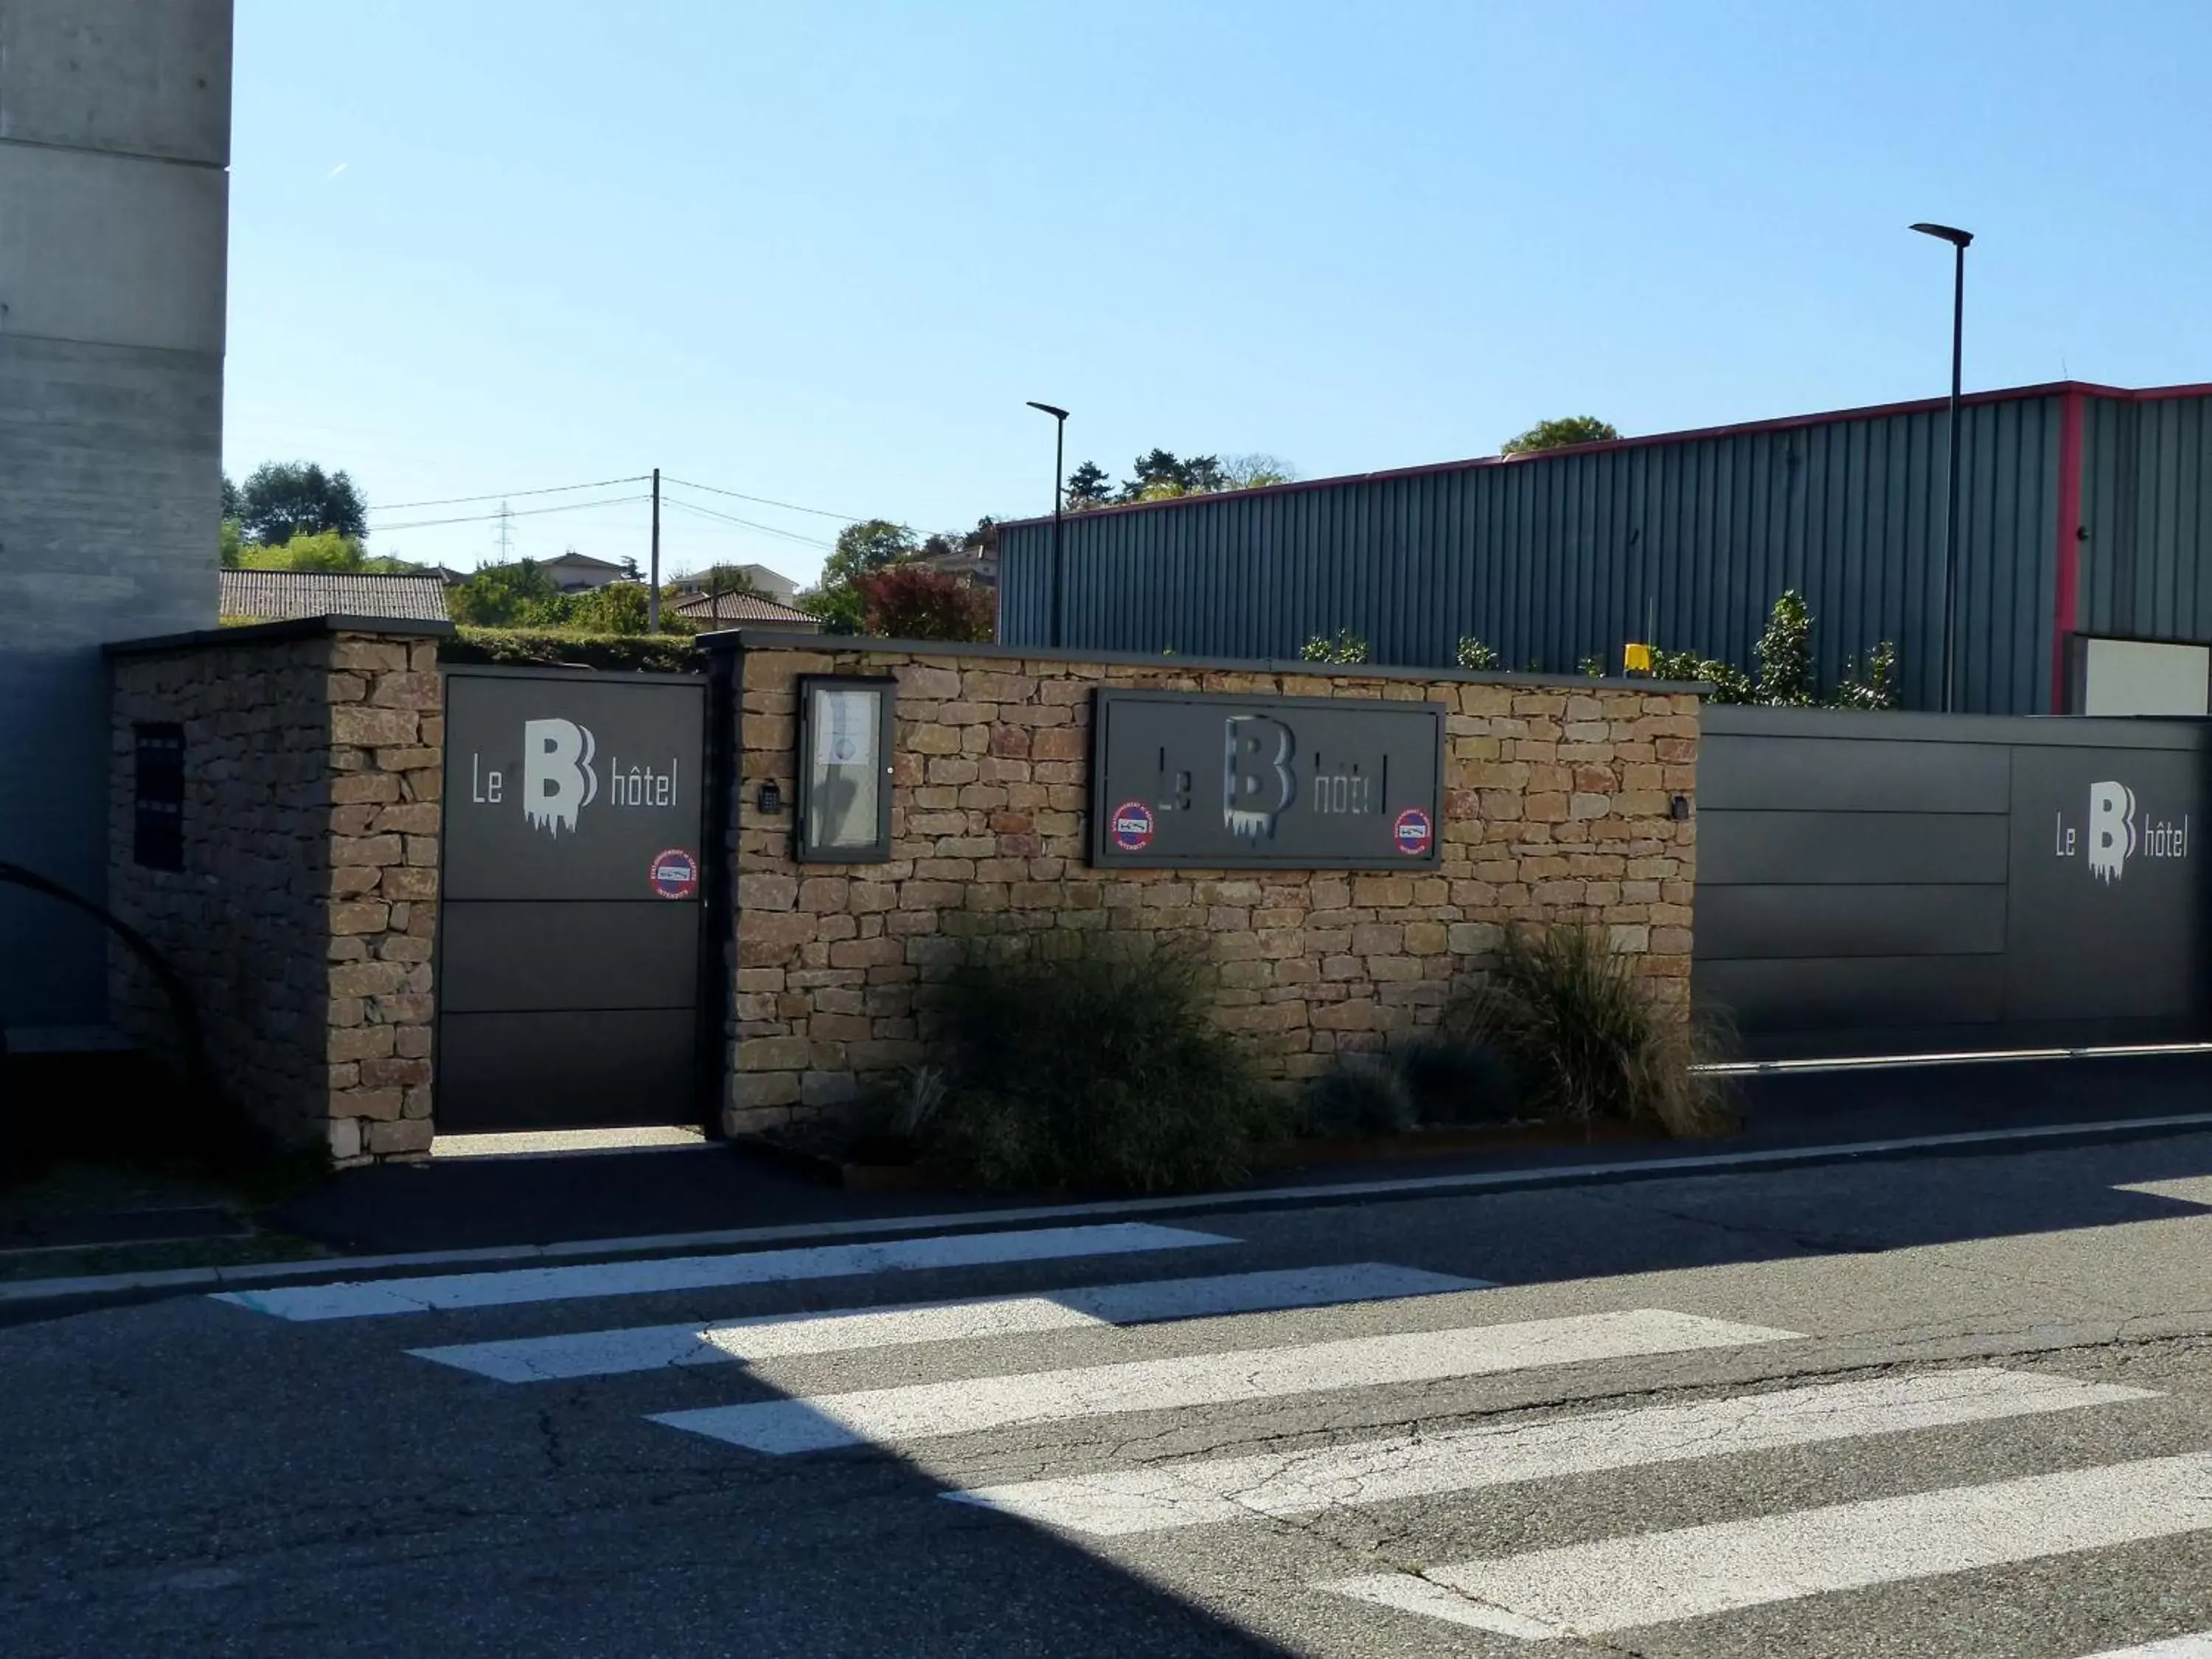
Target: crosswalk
1261,1338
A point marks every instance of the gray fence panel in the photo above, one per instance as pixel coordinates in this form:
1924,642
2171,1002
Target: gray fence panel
1851,848
1763,922
1874,883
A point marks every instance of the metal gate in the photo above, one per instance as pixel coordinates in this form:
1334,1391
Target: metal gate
571,923
1890,884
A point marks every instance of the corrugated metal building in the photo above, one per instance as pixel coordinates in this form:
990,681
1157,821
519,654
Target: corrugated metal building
2084,512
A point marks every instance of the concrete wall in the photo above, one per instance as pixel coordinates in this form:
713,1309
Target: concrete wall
305,916
1557,808
114,142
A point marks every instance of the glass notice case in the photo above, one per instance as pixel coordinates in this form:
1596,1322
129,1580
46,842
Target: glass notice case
844,769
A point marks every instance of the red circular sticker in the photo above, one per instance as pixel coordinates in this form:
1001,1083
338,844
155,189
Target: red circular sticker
1132,826
675,874
1413,832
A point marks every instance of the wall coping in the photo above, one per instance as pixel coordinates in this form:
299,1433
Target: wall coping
292,628
760,639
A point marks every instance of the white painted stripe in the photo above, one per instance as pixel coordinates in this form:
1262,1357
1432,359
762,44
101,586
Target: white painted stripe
1622,1583
1284,1483
2178,1647
921,1411
609,1353
403,1295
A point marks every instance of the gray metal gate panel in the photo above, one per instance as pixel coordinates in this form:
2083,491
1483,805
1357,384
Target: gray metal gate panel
569,955
1908,883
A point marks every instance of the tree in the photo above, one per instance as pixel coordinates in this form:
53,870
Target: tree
1558,434
519,595
616,607
1256,472
281,499
232,503
230,542
1161,474
980,543
319,550
871,546
912,601
1088,486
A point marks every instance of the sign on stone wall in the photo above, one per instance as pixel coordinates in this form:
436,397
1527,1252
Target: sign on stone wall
1244,782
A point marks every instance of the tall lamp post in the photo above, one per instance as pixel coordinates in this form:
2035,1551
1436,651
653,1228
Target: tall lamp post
1059,506
1957,240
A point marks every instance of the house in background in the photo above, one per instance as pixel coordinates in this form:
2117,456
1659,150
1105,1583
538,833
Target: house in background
575,572
745,610
768,584
281,595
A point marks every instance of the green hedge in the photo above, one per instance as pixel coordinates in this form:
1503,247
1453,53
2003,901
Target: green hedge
541,648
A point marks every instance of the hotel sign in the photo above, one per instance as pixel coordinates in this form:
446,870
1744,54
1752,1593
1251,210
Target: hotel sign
1184,779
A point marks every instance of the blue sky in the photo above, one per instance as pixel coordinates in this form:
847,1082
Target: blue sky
823,253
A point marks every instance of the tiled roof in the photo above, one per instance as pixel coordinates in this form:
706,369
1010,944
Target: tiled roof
750,609
281,595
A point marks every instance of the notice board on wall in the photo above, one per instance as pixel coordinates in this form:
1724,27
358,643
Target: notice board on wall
1198,780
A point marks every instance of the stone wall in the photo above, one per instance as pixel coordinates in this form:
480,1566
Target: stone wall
305,914
1557,806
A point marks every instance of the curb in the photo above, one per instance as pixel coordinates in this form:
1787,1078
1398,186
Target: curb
47,1298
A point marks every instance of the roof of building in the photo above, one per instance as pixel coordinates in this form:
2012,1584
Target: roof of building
281,595
2000,395
751,609
572,556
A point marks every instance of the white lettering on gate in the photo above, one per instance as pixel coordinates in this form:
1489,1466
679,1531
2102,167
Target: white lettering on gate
557,779
640,786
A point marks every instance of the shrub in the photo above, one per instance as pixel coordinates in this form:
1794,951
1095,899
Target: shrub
1347,648
1089,1073
1876,688
1786,675
1361,1095
1474,653
914,602
666,654
1585,1038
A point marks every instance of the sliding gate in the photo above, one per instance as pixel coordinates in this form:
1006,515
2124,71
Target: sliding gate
570,928
1895,884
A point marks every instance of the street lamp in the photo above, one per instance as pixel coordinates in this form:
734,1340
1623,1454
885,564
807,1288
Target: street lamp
1058,502
1957,240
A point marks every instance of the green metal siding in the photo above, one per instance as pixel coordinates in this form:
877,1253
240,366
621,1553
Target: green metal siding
1553,558
2146,564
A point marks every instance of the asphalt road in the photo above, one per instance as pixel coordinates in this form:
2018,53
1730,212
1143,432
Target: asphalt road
1955,1407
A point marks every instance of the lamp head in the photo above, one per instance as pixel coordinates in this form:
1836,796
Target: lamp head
1056,414
1956,237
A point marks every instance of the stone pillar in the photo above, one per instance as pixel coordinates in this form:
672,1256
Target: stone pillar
304,918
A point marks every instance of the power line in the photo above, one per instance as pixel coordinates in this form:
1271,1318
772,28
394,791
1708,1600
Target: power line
526,513
766,529
792,506
503,494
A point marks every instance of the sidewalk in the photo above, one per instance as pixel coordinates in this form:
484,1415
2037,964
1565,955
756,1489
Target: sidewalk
479,1202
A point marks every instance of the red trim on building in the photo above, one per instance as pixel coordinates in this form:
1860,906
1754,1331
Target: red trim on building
2073,390
2065,609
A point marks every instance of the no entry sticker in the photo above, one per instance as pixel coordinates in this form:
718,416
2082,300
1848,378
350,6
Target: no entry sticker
675,874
